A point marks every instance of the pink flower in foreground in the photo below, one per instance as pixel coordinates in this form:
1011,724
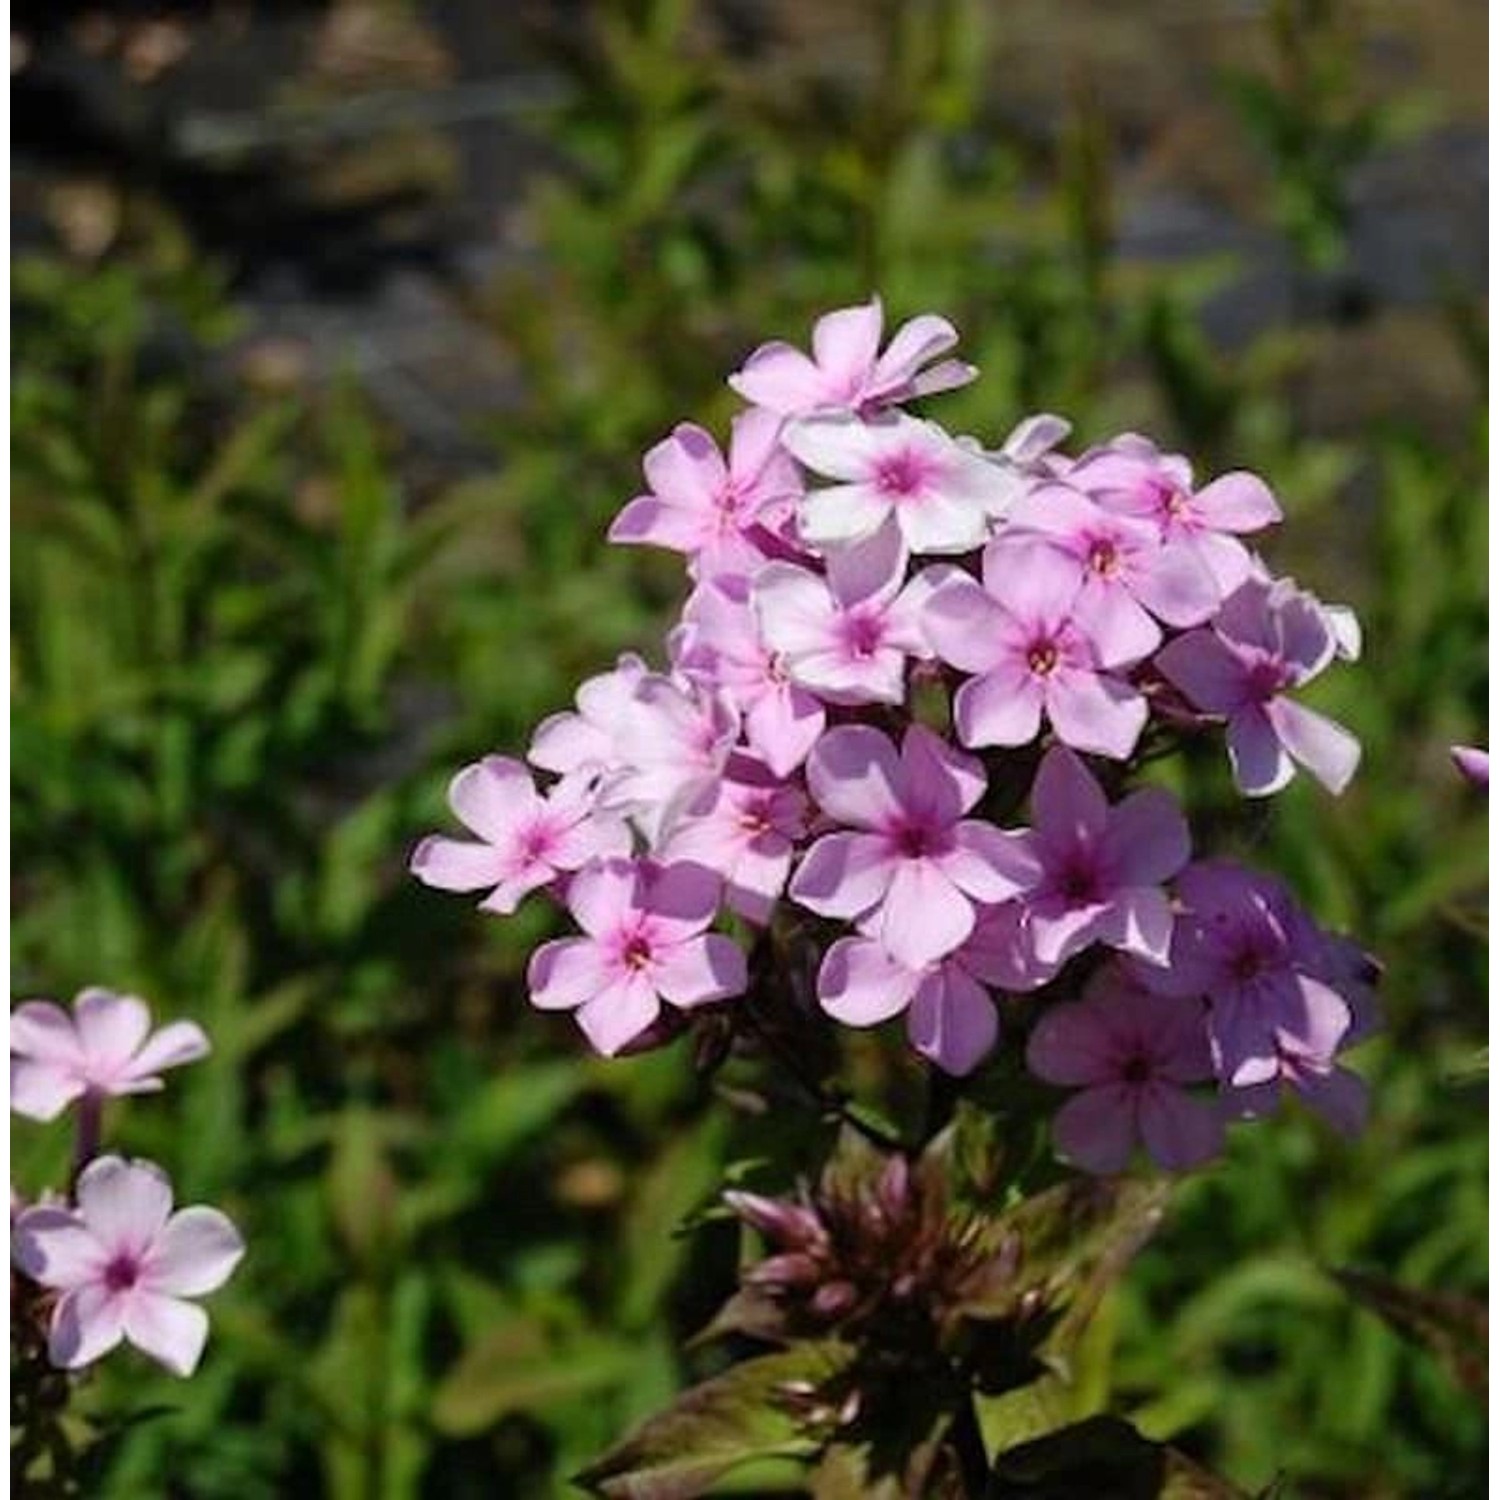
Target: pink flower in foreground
950,1018
847,372
105,1047
1031,654
1473,763
527,838
124,1264
1267,971
1102,867
943,496
913,869
1130,475
1130,578
1129,1053
747,834
846,636
709,509
719,645
646,941
1267,639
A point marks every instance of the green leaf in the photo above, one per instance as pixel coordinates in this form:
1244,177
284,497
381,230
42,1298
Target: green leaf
750,1412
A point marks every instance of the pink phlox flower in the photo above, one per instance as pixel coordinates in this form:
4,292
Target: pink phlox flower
950,1017
847,372
105,1047
645,942
719,645
1264,966
1130,577
583,740
1266,640
1129,1053
671,743
526,838
747,831
1474,764
1132,476
943,496
125,1265
1102,867
720,514
846,635
906,864
1030,654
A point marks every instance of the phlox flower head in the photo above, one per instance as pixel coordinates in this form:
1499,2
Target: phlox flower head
1129,1053
526,838
906,865
847,370
105,1047
943,497
1030,655
125,1266
645,941
1266,640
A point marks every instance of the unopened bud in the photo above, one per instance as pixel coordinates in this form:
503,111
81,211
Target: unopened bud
834,1299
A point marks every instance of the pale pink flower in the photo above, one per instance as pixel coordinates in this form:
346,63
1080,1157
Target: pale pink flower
583,740
1129,1053
845,636
106,1047
913,867
1132,476
1130,577
1266,640
1473,763
747,834
1031,654
1102,866
950,1017
719,645
125,1264
943,496
847,372
718,513
526,838
645,941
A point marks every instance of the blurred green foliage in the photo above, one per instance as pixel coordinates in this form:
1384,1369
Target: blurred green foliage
246,659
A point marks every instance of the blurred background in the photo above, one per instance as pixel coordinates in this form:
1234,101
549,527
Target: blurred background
338,330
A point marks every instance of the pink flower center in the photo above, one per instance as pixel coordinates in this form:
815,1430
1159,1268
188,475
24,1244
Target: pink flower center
1078,880
1247,961
1042,656
920,840
1103,558
1267,677
861,633
636,954
122,1273
1136,1069
536,843
755,817
902,474
1173,503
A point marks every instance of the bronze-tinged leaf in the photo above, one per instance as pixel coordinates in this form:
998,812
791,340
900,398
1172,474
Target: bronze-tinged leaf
1453,1327
752,1312
1102,1456
895,1449
763,1408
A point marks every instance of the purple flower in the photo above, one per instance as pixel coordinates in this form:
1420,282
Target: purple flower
847,372
1031,654
1128,573
1102,867
747,833
950,1018
124,1264
913,868
1244,943
708,509
527,838
942,495
106,1047
645,941
719,645
1131,476
584,741
1473,763
1129,1053
1267,639
846,636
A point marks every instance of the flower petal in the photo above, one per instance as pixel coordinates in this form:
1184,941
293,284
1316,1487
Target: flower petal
860,984
702,969
1261,764
86,1324
1180,1132
567,973
617,1016
1327,749
124,1203
55,1248
952,1021
1096,1129
855,776
110,1027
924,916
843,874
171,1331
195,1253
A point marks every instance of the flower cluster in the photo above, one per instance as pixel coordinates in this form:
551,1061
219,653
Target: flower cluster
896,640
113,1262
